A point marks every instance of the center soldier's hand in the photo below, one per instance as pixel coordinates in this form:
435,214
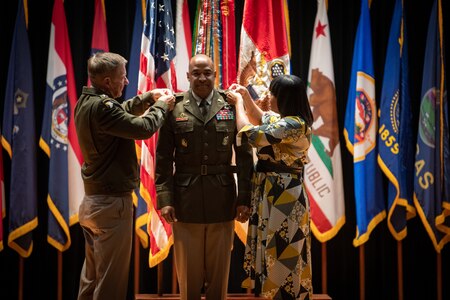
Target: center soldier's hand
168,213
242,213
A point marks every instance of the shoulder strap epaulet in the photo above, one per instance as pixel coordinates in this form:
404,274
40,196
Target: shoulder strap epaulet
222,93
179,96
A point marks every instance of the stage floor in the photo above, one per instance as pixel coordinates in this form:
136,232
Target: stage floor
230,297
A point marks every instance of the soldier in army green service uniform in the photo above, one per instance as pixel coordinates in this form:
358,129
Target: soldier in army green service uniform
200,198
106,132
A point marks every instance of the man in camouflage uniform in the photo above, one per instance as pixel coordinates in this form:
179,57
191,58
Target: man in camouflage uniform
106,132
199,199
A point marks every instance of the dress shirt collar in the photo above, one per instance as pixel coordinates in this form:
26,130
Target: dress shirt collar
199,100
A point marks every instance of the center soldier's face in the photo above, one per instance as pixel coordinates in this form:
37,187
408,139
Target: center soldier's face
201,75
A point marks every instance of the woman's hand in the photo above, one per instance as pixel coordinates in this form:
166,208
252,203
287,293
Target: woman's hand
264,103
233,97
239,88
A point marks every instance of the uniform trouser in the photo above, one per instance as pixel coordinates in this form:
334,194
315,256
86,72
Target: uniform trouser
107,223
202,258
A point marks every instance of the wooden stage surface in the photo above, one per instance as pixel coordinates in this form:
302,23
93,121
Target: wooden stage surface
230,297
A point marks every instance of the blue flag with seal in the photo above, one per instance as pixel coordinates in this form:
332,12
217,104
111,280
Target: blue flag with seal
360,132
432,165
395,137
58,137
18,139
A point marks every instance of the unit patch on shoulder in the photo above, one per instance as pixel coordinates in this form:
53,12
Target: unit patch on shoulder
108,103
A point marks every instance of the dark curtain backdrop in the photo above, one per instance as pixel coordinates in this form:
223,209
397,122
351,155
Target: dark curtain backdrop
419,256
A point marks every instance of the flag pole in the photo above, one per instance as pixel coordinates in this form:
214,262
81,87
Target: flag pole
362,286
439,276
21,262
160,278
324,268
136,264
59,288
174,276
400,269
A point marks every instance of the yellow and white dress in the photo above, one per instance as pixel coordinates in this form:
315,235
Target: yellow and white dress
278,250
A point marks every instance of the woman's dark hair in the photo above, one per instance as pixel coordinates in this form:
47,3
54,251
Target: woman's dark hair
292,99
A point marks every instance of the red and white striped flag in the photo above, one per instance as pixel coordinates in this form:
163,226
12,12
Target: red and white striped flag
156,70
263,54
323,175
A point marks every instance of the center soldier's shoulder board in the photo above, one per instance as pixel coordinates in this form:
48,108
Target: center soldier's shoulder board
179,96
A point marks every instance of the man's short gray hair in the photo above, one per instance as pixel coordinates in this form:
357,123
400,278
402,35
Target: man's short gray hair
103,64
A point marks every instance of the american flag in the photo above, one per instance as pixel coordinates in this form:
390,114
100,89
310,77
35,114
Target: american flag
140,212
157,47
156,70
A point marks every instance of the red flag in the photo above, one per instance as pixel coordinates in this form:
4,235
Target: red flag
228,43
156,70
263,54
99,31
264,48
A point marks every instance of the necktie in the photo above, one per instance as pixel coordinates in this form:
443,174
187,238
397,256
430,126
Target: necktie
203,107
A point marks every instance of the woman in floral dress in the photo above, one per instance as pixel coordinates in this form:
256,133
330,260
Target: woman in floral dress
278,250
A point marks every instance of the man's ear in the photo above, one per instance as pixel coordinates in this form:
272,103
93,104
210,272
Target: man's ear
106,82
187,75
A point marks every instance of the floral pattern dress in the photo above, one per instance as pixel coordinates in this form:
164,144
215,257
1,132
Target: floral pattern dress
278,250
